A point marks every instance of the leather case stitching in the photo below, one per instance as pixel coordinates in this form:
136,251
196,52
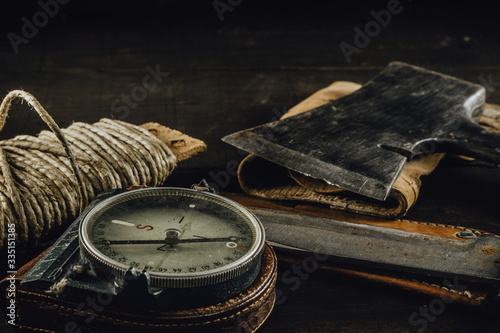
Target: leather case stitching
68,309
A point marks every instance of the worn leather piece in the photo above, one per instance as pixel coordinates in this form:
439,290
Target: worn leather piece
182,145
43,312
452,290
264,179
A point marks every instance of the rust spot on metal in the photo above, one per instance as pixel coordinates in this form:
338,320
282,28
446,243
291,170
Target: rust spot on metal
489,250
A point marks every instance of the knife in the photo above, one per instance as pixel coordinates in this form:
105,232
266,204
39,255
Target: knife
476,259
427,249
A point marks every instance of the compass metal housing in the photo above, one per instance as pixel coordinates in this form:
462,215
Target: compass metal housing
192,202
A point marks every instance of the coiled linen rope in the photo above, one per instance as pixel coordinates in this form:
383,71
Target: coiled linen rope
47,180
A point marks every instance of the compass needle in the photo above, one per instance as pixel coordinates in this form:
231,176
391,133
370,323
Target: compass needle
128,224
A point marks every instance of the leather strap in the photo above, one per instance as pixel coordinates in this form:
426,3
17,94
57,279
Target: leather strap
42,312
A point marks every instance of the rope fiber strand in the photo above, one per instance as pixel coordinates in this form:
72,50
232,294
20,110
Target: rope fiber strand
47,180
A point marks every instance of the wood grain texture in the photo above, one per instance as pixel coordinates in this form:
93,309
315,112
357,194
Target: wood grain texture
230,75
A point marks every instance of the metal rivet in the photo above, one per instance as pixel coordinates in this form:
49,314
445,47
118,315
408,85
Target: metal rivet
466,234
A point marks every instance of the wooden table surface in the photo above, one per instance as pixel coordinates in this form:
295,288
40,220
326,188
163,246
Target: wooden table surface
217,74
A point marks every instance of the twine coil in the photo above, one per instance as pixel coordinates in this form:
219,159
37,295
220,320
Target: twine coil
46,180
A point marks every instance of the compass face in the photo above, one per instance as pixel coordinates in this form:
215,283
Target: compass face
180,237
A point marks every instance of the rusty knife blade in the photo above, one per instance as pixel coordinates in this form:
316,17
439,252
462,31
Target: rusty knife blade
476,260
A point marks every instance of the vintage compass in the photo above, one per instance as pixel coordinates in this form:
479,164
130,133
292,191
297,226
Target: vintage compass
181,238
156,249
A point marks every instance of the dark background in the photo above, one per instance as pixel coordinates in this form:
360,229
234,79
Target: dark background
262,58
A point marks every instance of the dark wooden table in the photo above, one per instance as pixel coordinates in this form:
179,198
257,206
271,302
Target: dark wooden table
242,68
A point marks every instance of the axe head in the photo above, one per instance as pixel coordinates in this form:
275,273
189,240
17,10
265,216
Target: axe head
362,141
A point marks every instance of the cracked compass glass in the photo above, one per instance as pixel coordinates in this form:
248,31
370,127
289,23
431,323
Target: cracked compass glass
181,238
